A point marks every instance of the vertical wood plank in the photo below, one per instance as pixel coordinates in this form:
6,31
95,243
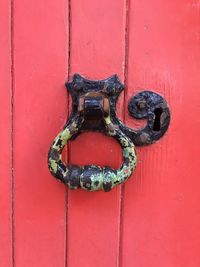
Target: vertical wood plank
40,109
161,202
5,136
97,52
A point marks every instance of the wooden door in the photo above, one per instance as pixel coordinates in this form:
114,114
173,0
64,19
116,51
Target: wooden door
153,219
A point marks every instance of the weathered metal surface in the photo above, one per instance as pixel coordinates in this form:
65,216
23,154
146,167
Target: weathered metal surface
94,109
152,107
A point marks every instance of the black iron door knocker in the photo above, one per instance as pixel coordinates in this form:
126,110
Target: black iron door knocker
94,106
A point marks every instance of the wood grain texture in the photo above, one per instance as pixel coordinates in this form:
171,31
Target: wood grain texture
40,110
5,136
97,52
161,204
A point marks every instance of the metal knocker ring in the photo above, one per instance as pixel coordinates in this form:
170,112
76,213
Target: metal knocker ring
94,104
91,177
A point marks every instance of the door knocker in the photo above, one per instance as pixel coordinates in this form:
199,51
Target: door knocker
93,109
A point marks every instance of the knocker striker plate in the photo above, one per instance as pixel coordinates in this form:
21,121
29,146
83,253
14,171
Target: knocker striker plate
94,109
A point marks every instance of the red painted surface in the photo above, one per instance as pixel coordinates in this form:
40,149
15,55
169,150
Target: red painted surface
97,214
161,215
5,137
40,68
151,221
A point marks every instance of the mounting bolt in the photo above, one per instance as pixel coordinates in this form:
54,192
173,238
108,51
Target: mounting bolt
141,104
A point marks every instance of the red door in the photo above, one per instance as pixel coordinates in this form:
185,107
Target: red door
153,219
